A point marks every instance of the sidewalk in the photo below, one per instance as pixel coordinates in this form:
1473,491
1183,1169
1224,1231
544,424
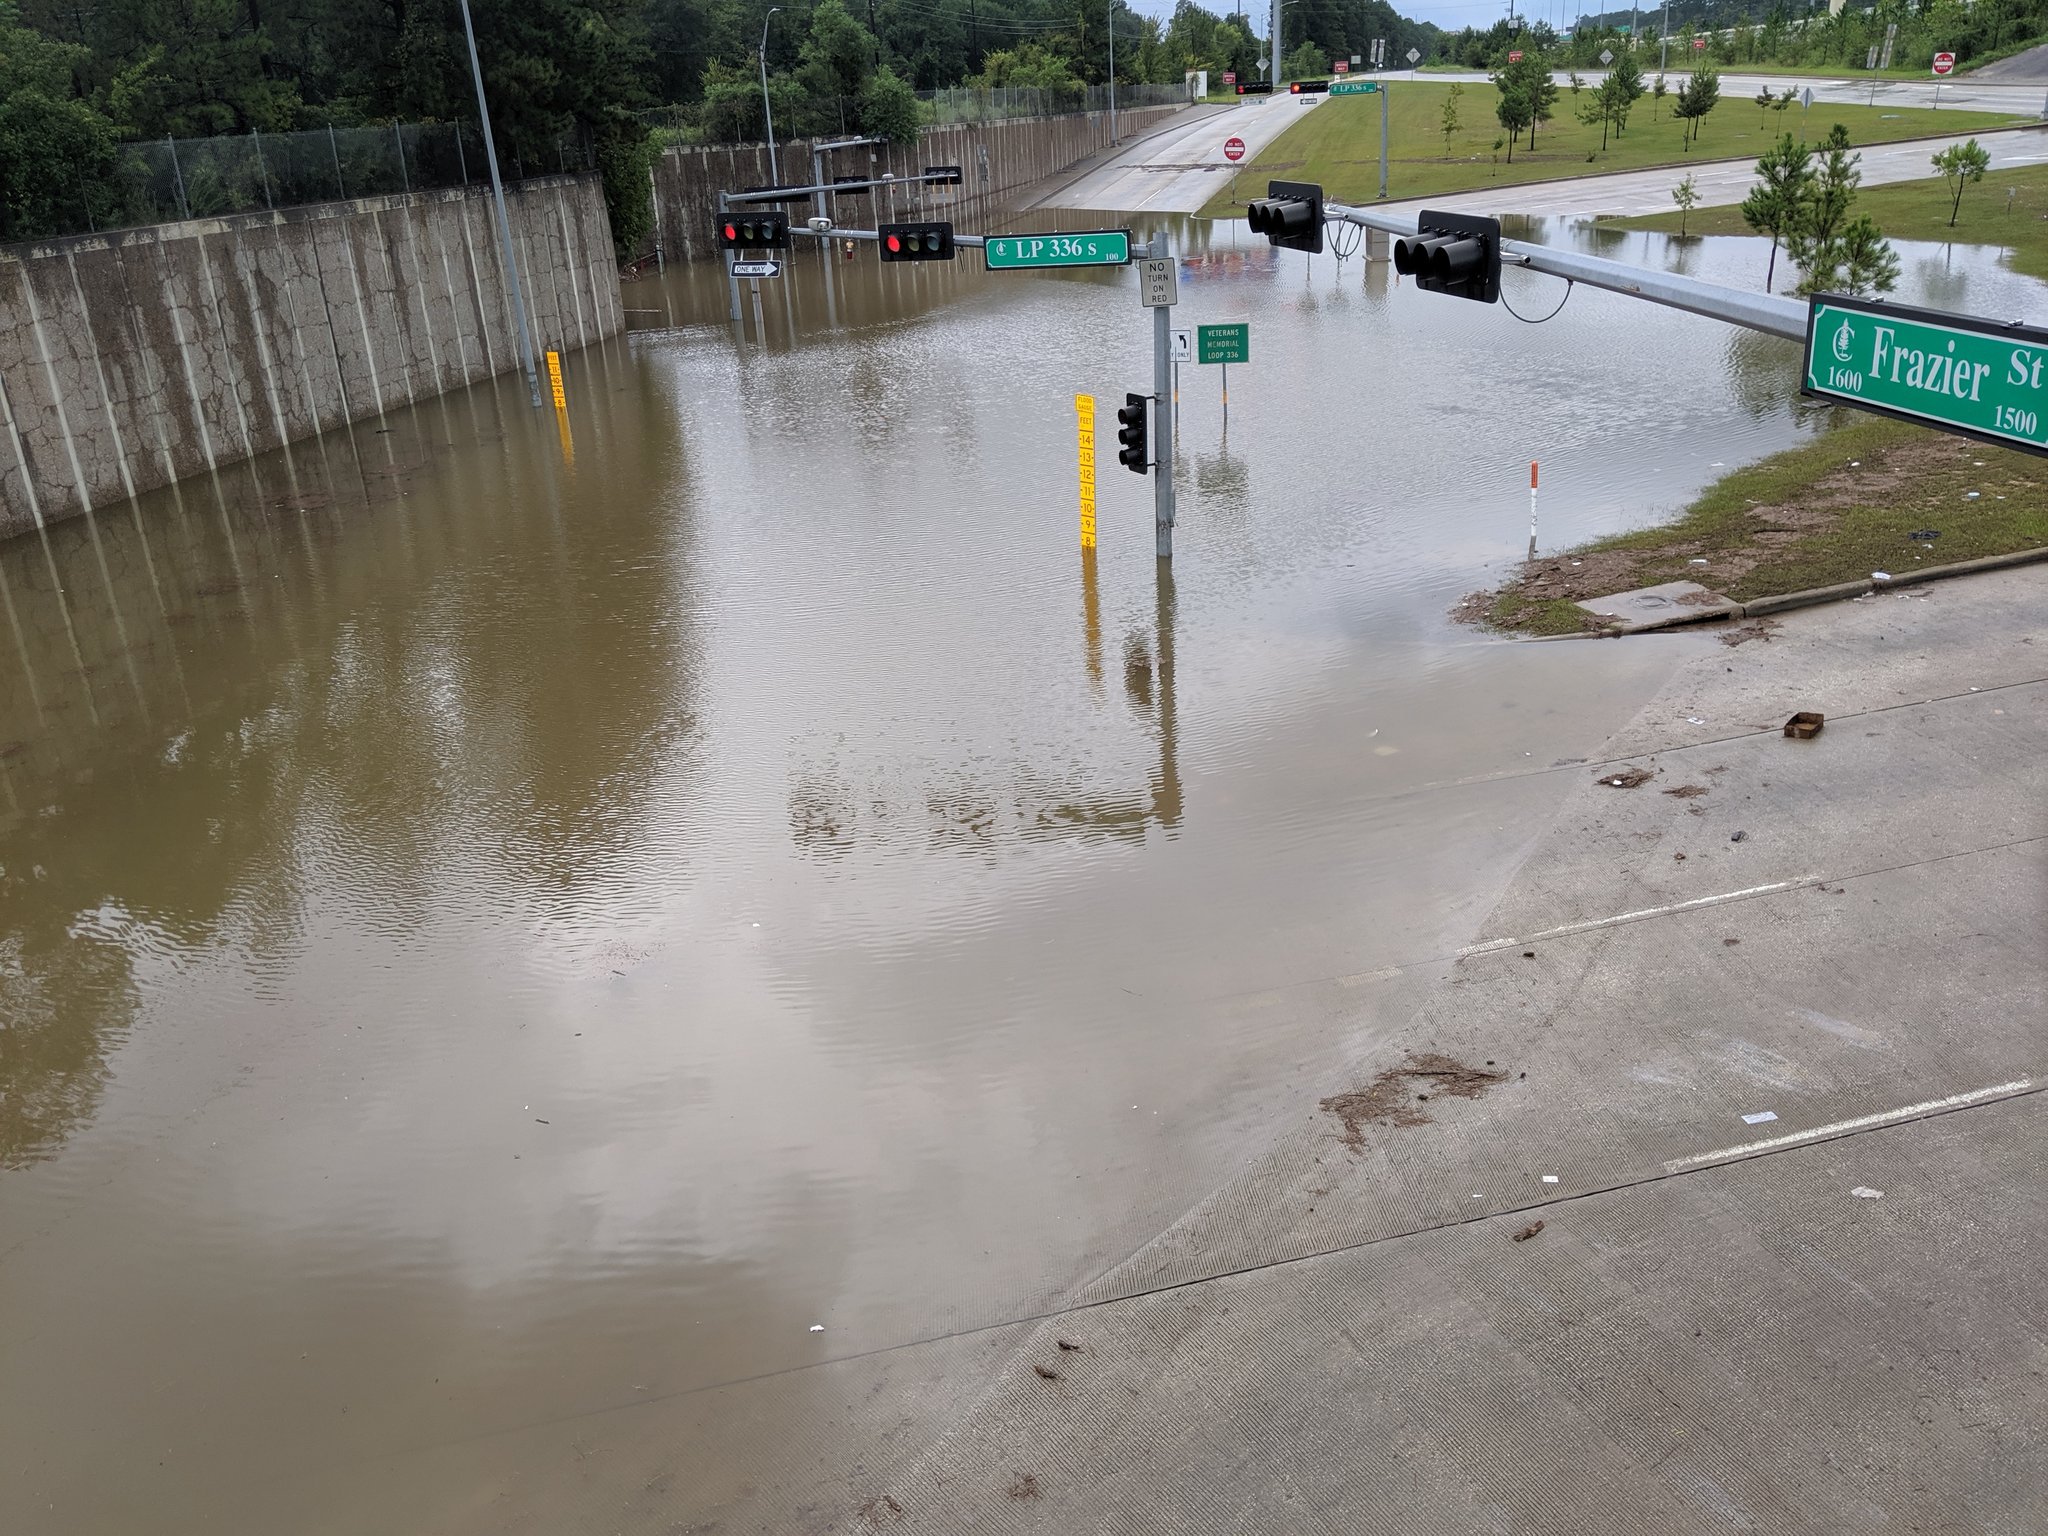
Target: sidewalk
1789,1275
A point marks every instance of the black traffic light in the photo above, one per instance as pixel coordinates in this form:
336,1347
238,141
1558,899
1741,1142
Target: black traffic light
1308,87
754,229
1132,433
916,242
1454,253
943,175
1289,215
1254,87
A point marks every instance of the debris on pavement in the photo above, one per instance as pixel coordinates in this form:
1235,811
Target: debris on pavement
881,1511
1730,943
1737,837
1550,1178
1071,1348
1047,1372
1528,1232
1023,1486
1760,1117
1806,724
1386,1100
1925,535
1862,1192
1626,778
1687,791
817,1327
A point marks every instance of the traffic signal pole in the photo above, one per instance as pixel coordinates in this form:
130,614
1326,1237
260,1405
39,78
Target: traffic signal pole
1162,414
1770,313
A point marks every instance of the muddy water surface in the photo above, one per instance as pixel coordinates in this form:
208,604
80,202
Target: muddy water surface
509,927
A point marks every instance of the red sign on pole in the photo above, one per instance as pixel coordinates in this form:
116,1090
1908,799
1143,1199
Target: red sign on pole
1944,63
1230,77
1342,66
1233,149
1698,43
1514,55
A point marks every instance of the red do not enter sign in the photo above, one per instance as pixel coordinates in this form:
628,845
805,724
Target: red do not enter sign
1233,149
1944,63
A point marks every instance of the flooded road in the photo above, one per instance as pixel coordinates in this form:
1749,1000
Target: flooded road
519,942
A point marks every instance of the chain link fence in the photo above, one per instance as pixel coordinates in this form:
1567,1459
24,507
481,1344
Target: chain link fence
739,122
162,180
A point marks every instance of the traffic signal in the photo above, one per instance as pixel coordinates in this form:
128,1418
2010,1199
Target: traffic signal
1454,253
752,229
1254,87
1308,87
916,242
1290,215
1131,433
943,175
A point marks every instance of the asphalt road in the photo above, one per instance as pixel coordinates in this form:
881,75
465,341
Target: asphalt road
2030,68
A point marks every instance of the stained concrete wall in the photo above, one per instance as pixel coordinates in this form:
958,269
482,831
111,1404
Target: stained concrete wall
134,359
1000,162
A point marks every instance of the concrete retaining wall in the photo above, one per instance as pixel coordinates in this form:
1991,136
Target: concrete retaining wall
134,359
999,161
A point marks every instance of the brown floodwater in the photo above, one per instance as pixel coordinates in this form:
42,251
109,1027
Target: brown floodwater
509,927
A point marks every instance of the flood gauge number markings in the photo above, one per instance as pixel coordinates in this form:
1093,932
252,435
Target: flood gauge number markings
1973,377
1087,248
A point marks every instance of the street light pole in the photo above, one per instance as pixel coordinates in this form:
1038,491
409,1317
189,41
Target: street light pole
483,112
767,111
1664,40
1111,11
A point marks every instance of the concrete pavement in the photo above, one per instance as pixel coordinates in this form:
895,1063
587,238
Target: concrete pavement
1763,1059
1719,181
1178,171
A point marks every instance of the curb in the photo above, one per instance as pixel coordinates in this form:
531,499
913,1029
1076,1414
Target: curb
1810,597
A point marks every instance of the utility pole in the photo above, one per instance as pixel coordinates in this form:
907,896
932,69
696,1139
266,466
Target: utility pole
1664,40
1162,414
1110,11
483,111
767,111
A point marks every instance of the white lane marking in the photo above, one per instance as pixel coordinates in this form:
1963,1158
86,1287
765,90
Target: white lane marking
1861,1122
1489,945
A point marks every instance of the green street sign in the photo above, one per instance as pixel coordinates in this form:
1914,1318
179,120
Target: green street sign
1090,248
1354,87
1974,377
1223,343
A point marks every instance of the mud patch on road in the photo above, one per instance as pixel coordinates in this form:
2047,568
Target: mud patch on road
1398,1096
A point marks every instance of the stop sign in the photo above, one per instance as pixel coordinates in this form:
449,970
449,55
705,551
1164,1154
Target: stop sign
1944,63
1233,149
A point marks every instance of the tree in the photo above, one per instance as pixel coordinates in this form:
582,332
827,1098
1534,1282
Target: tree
888,108
1030,67
1698,96
1765,98
1626,80
1542,98
1450,115
1514,111
1784,179
1657,96
1857,261
1961,164
1687,195
1307,62
1828,196
1785,99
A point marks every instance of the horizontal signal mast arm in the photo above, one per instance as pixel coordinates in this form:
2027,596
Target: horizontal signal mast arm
1767,312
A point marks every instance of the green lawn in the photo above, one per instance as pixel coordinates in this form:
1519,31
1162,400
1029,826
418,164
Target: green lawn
1338,143
1831,510
1919,210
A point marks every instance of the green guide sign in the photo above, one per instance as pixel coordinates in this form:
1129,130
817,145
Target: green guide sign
1964,375
1223,343
1354,87
1089,248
